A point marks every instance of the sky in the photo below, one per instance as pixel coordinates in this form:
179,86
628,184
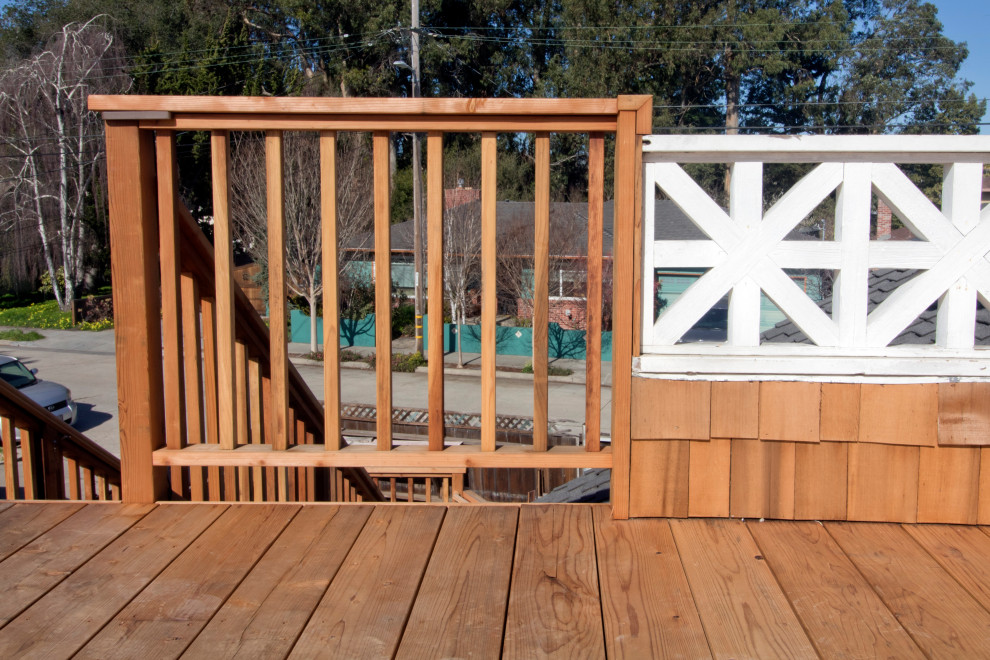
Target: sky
969,21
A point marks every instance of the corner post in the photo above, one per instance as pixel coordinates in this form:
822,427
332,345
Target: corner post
634,121
136,281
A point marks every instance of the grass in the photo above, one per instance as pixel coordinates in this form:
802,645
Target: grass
16,334
551,370
47,315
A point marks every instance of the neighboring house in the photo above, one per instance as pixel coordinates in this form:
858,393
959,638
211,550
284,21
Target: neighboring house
882,284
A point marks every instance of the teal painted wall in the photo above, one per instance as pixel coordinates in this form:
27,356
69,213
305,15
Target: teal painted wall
568,344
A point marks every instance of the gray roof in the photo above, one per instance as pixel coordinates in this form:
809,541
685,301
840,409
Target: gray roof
591,487
882,283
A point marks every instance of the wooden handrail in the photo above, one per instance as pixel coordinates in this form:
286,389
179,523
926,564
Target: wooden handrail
57,440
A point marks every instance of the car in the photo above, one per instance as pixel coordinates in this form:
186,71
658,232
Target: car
55,398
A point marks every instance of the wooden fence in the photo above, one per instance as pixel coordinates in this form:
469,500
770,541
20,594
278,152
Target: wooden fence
254,418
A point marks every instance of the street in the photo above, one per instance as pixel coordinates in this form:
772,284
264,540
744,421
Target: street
84,362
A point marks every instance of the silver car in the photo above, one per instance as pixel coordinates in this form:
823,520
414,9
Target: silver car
55,398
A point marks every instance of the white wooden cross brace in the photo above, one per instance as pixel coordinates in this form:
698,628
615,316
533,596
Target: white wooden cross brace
745,245
963,263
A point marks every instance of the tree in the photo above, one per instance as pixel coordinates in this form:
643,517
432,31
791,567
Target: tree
302,207
461,262
56,143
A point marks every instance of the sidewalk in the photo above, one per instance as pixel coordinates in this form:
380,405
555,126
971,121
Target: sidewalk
509,366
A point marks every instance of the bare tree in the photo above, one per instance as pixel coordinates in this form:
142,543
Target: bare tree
302,207
461,262
56,143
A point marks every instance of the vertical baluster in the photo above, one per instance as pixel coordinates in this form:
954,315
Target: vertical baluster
277,293
429,490
169,260
541,268
488,291
101,488
257,437
445,489
29,461
87,483
409,490
9,457
72,468
114,492
746,209
331,304
223,248
192,371
383,292
51,458
392,484
292,474
210,389
271,473
593,312
434,221
241,401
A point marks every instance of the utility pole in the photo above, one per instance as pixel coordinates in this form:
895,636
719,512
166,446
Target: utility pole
417,185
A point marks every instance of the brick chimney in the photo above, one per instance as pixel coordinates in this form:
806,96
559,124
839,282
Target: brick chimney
884,216
460,195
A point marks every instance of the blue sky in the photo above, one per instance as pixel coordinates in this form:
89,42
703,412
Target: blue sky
969,21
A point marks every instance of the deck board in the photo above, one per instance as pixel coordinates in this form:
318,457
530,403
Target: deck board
554,607
460,608
365,609
270,608
744,611
36,568
168,614
361,580
840,612
640,572
943,619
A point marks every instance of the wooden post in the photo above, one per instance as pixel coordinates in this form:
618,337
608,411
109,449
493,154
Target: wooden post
383,292
593,308
134,262
434,220
277,291
333,439
488,293
541,294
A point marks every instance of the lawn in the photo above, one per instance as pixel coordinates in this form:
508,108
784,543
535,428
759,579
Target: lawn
16,334
46,315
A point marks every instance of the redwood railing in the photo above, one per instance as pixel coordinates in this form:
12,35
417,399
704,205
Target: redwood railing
145,228
57,462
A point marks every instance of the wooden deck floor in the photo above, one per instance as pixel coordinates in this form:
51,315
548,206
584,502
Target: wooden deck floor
265,581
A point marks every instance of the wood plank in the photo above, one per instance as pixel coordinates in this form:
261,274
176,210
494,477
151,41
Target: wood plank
30,461
627,198
383,292
362,612
962,551
460,608
192,372
434,222
277,291
541,300
265,615
708,482
762,479
22,523
883,483
659,478
169,260
68,615
489,301
10,473
554,608
899,414
257,432
916,589
243,415
964,414
983,507
735,409
840,412
839,610
168,614
331,292
790,411
670,409
743,610
40,565
820,481
137,321
593,296
223,251
210,390
949,485
647,606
